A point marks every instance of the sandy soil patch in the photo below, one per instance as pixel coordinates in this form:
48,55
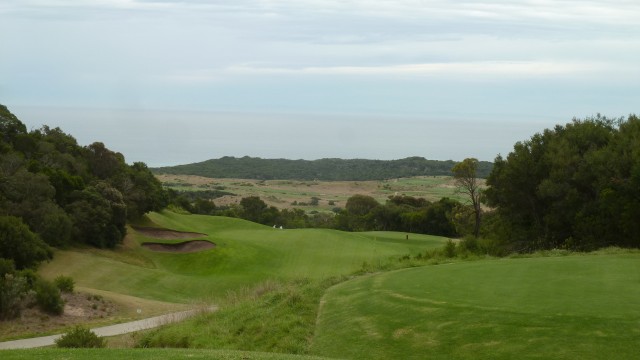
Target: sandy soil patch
184,247
79,308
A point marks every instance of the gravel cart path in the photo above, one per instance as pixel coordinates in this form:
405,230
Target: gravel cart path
110,330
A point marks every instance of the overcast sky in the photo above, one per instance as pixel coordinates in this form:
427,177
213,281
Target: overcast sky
169,82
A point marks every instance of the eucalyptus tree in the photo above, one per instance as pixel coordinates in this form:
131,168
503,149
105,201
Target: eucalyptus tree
467,183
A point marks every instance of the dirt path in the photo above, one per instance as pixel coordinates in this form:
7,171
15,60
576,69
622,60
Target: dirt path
111,330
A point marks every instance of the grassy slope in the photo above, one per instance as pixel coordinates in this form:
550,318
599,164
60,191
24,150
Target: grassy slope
247,253
570,307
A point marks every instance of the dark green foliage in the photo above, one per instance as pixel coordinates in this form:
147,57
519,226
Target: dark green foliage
408,200
99,215
575,186
65,192
48,297
161,340
363,213
103,162
205,207
360,205
64,183
7,267
399,214
52,223
324,169
30,276
10,126
64,283
141,190
12,290
21,245
253,208
450,249
80,337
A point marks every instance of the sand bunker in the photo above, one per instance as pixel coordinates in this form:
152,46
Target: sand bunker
166,234
183,247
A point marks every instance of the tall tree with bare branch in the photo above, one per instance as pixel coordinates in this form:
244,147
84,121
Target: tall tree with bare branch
464,174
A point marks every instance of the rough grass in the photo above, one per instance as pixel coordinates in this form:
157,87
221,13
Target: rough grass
144,354
272,316
569,307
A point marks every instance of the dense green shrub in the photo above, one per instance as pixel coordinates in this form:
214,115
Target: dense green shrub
12,291
30,276
64,283
54,192
48,297
80,337
576,187
469,244
21,245
450,249
6,267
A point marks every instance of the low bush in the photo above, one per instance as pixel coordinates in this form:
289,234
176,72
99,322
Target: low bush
12,291
64,283
48,297
450,249
30,276
80,337
7,266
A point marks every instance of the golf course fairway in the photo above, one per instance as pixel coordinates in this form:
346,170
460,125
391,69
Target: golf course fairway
573,307
245,254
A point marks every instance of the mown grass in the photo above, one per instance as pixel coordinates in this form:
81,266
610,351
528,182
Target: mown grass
144,354
547,305
569,307
246,254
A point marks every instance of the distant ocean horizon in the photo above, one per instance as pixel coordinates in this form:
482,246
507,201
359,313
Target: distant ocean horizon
166,138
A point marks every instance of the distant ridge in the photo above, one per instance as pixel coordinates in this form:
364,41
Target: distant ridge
323,169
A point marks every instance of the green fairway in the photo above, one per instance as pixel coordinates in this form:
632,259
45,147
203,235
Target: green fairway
246,253
576,307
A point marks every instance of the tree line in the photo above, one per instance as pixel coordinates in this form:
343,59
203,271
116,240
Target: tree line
445,217
54,192
576,186
323,169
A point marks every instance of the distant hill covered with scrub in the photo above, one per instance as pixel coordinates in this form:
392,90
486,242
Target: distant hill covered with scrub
323,169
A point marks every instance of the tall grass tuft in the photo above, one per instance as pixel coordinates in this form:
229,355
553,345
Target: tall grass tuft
273,316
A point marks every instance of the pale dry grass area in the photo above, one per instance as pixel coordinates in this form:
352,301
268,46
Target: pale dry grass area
287,194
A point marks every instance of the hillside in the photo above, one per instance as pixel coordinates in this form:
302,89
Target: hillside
323,169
